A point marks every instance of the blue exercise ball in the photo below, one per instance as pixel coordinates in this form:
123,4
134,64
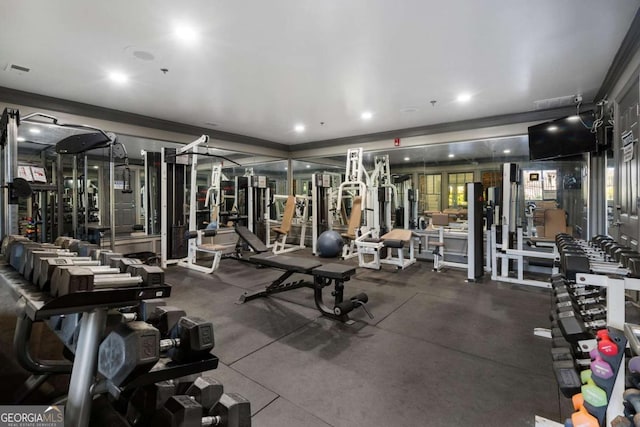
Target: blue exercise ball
329,244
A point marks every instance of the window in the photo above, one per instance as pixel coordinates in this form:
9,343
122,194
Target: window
429,191
610,178
456,188
540,184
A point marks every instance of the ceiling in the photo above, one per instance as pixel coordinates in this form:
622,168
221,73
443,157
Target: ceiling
258,68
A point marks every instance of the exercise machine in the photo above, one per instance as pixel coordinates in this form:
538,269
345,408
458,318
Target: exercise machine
175,164
296,213
507,239
324,196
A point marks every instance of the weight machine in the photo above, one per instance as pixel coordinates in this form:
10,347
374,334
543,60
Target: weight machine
296,210
81,139
324,197
174,164
506,240
377,194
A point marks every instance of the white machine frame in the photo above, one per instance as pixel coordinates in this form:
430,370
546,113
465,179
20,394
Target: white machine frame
280,245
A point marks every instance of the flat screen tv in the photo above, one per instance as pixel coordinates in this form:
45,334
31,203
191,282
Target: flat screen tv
562,138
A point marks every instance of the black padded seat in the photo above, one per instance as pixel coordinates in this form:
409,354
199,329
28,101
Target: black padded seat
251,239
283,262
393,243
334,271
371,240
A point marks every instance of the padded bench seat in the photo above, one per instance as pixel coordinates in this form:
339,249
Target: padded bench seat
334,271
283,262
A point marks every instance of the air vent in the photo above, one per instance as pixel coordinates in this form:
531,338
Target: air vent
562,101
17,68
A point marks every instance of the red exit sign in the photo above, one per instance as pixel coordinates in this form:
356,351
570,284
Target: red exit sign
396,142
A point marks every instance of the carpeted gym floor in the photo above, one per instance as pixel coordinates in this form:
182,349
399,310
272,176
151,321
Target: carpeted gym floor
439,352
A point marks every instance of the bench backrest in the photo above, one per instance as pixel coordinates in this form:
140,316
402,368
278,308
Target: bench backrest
356,216
289,211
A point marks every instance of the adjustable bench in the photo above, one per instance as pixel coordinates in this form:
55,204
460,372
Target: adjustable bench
224,242
324,275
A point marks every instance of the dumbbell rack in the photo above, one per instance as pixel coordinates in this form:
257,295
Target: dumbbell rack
616,288
35,305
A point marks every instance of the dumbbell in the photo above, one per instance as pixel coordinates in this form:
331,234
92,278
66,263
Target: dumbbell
94,253
79,279
133,348
147,400
105,257
151,275
37,262
18,249
191,339
146,308
48,266
591,313
84,279
84,248
26,265
625,257
232,410
599,367
591,393
575,329
582,417
122,263
567,377
631,400
165,318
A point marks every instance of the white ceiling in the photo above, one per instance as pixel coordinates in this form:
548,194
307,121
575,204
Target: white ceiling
259,67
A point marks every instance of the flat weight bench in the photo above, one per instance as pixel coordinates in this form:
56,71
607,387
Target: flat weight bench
324,275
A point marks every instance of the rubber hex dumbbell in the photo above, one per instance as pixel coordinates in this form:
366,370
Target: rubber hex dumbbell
147,400
191,339
232,410
206,391
129,350
165,317
575,329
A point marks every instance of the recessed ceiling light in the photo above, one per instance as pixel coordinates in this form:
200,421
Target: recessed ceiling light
21,139
185,33
552,128
286,168
406,159
308,166
573,118
34,130
118,77
451,156
96,167
299,128
464,97
367,115
507,151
